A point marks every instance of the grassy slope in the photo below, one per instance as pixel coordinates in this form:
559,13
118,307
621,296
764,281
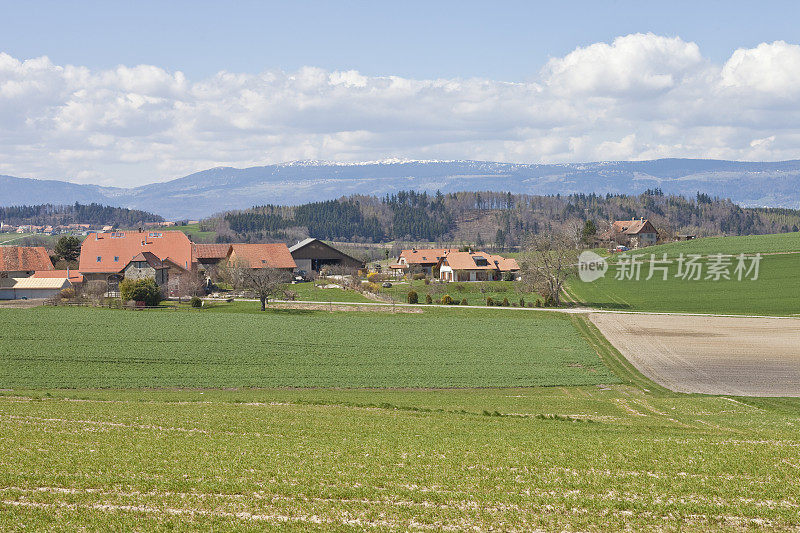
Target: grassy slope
748,244
79,347
776,292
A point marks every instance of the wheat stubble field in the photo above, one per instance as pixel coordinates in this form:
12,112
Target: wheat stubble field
710,354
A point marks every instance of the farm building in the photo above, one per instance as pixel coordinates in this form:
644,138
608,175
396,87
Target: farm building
105,256
23,261
475,266
632,233
73,276
262,256
31,288
421,260
210,256
313,254
146,265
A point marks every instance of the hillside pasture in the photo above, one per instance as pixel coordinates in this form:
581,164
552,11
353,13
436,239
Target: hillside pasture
775,292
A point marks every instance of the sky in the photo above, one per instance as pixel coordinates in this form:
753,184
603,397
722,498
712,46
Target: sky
128,93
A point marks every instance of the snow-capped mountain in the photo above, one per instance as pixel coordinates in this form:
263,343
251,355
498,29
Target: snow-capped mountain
773,184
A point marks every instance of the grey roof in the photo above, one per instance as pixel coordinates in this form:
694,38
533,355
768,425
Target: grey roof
304,242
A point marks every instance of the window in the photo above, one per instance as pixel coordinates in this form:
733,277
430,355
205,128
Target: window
99,258
117,235
154,234
116,258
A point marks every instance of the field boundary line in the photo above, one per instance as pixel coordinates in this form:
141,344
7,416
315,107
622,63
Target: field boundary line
614,360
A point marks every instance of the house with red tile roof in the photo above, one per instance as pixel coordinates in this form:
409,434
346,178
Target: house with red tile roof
23,261
475,266
262,256
421,259
209,256
105,256
632,233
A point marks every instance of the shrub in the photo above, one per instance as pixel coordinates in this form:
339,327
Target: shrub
509,276
505,302
418,275
447,300
196,302
290,295
427,281
68,293
489,301
522,302
412,297
464,301
538,302
373,277
372,287
140,290
428,299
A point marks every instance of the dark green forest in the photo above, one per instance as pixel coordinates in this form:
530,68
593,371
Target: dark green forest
49,214
498,219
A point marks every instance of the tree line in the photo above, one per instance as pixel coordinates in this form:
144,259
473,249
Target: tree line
500,220
62,215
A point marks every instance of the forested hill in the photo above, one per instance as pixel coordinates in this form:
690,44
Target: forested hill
492,218
48,214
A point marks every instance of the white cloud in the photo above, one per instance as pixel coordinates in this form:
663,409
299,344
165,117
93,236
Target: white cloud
641,96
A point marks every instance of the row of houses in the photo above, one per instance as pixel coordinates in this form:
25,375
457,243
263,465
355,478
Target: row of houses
167,257
450,264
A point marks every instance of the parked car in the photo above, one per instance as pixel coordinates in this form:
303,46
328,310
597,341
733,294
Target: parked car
386,285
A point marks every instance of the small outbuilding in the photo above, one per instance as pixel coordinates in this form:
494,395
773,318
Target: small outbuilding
31,288
313,255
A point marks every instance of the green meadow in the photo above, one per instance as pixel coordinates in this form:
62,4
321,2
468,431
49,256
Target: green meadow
49,347
776,290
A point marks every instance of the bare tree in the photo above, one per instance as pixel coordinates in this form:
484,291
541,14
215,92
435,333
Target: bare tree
548,262
95,291
188,284
266,283
235,273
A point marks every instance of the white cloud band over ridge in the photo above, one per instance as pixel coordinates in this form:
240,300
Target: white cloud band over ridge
643,96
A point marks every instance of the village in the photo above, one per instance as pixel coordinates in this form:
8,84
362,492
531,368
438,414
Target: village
182,268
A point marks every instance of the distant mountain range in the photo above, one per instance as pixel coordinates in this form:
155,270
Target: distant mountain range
219,189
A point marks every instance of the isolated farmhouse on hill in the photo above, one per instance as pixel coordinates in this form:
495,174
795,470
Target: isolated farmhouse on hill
312,255
632,233
23,261
475,266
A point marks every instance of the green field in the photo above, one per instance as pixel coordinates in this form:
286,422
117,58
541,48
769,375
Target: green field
156,421
775,292
193,230
475,292
311,292
50,347
748,244
351,460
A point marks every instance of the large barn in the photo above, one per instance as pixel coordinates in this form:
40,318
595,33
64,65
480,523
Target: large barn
312,255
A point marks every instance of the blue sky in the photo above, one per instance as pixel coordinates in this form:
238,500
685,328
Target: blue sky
127,93
498,40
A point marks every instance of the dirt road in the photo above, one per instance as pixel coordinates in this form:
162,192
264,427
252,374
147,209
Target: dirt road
707,354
